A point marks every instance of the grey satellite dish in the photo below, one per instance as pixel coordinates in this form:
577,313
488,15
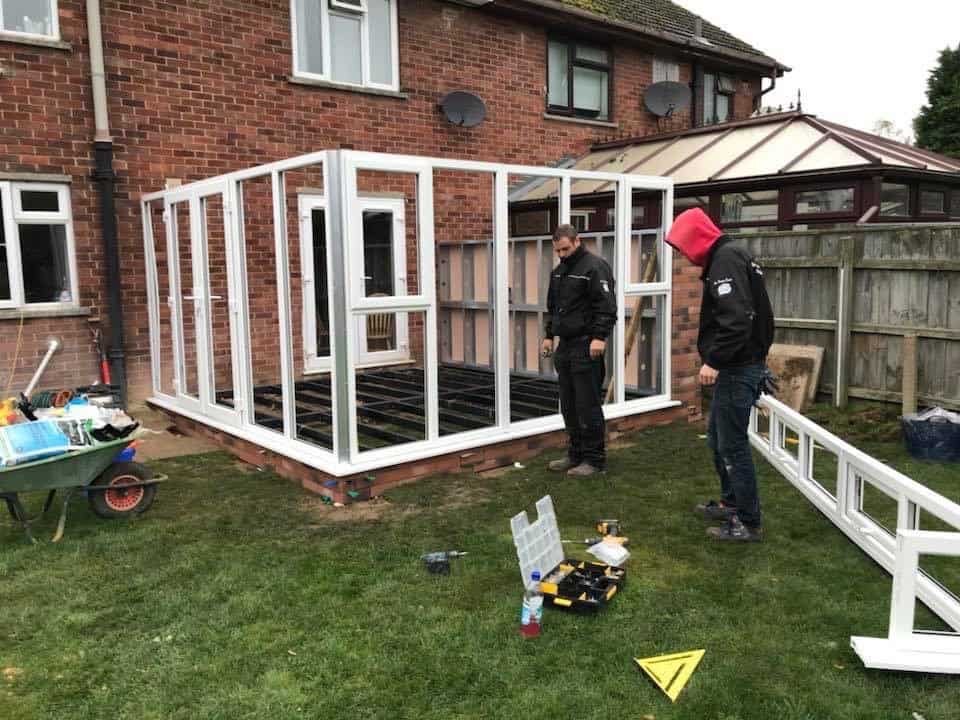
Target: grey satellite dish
463,109
665,98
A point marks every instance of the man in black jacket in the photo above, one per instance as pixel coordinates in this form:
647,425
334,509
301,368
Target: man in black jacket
581,311
736,331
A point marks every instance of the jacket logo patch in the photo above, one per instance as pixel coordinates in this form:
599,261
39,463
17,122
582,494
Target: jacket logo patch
724,289
606,287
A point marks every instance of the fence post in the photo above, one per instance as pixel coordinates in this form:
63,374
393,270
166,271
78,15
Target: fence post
909,374
844,317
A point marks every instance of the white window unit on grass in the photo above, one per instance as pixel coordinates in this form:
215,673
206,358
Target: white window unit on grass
35,19
347,42
37,259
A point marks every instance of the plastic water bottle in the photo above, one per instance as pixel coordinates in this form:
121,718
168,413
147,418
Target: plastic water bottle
532,611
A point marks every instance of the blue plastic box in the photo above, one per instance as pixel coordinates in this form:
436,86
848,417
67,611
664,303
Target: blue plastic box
31,441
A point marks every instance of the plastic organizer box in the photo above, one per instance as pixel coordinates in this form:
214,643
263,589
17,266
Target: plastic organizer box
31,441
574,584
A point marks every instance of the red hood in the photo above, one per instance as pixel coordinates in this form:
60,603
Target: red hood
693,234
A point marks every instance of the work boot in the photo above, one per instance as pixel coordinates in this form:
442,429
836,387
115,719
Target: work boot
736,531
713,510
583,470
561,465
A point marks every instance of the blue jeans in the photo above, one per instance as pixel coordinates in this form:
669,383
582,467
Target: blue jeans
734,394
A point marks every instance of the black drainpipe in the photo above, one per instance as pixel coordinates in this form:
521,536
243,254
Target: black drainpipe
106,181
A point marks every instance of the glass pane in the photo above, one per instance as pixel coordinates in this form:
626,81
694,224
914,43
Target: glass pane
664,70
681,204
723,108
463,227
726,85
345,41
46,267
4,263
645,346
755,206
592,54
530,222
378,253
381,41
390,242
28,16
39,201
309,36
391,399
933,202
709,94
836,200
895,200
557,64
955,203
590,93
321,291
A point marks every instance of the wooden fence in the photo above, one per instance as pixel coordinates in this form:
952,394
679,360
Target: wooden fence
878,299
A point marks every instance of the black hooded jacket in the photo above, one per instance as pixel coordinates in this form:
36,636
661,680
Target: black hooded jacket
736,317
582,299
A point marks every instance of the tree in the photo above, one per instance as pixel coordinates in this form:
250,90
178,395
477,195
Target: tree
887,129
937,127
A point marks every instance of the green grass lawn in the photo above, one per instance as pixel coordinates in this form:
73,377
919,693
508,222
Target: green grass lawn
237,597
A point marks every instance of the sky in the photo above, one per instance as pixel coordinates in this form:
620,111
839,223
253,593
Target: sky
855,62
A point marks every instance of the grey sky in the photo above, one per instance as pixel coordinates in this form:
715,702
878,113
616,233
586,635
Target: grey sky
856,62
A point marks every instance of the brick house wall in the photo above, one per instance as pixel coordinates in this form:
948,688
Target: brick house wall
199,89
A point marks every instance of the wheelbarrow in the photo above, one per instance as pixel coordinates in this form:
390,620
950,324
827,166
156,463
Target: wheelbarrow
115,486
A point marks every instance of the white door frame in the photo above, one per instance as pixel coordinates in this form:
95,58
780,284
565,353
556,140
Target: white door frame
307,203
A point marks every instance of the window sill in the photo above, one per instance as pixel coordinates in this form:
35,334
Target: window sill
35,41
347,88
32,313
582,121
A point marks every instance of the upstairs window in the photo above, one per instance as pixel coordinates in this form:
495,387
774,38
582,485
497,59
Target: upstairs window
718,92
37,265
30,18
664,70
578,80
353,42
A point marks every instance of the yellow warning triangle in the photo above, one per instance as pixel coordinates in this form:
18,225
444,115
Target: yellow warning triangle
671,673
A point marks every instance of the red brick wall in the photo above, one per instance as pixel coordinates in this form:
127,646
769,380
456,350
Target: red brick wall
198,89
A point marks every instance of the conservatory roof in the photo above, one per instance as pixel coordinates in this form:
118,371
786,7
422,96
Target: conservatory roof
766,146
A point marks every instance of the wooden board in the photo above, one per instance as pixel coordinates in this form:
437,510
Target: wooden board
797,368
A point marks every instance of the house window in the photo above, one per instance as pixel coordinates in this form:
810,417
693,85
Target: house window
664,70
34,18
353,42
755,206
580,219
955,202
894,200
578,80
823,202
718,92
933,202
37,263
681,204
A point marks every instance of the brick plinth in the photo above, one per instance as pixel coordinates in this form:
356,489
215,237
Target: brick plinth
367,485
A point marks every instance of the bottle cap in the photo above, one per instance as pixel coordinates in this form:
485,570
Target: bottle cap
535,575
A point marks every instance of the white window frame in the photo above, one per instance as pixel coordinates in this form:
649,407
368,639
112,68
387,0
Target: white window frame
340,9
665,70
54,25
13,217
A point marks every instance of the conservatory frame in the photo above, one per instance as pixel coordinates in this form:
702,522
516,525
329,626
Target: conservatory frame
347,302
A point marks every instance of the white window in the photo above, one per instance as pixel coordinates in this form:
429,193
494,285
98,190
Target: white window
30,18
664,70
37,264
353,42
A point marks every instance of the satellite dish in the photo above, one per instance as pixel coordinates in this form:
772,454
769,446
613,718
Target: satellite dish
665,98
463,109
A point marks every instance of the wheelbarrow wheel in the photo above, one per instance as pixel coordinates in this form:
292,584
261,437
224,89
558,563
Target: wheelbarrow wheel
122,502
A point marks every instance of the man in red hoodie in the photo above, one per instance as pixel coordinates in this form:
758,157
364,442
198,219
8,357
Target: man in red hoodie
736,331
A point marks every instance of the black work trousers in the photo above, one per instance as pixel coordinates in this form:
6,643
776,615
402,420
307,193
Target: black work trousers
581,401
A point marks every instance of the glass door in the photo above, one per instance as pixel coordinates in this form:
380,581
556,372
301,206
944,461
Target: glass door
316,287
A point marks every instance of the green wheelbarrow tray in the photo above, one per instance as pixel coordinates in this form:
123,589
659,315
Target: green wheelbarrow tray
79,470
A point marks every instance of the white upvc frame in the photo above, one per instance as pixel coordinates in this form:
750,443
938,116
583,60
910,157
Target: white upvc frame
326,75
312,362
891,550
340,183
13,217
54,25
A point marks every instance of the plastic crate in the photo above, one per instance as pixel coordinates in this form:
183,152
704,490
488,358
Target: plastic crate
933,435
31,441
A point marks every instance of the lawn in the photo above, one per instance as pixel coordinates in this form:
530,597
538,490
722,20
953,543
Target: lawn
237,596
